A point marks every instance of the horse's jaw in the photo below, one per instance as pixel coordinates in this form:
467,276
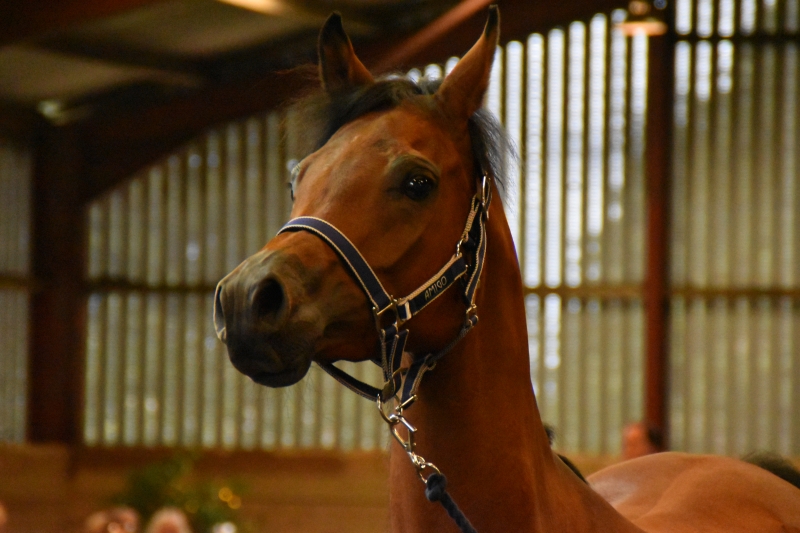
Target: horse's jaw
274,360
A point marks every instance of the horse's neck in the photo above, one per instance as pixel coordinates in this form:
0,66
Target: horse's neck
478,422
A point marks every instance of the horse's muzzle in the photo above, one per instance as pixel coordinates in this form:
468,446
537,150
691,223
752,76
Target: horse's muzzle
252,310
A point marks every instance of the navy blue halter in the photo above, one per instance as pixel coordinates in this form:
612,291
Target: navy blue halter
466,263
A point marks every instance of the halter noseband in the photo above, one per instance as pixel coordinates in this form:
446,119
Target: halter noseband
466,262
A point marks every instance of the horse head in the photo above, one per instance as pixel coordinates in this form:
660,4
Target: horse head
395,168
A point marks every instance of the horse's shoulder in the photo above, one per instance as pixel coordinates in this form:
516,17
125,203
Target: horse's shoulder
719,493
639,482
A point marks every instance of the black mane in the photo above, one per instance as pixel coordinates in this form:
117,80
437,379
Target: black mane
322,114
775,463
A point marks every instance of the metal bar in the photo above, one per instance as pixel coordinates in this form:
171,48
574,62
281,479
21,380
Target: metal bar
17,283
588,292
105,285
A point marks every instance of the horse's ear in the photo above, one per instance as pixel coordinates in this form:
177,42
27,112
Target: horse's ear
462,91
339,67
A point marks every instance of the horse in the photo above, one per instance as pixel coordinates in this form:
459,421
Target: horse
400,182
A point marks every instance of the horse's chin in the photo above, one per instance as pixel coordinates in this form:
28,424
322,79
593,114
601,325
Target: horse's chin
276,360
281,379
267,368
270,369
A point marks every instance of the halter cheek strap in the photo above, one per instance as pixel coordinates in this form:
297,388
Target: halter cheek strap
466,263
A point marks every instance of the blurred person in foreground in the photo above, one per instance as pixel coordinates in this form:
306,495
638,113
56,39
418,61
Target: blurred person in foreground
114,520
641,438
169,520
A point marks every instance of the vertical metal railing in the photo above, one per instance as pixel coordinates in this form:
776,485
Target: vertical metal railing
736,285
577,216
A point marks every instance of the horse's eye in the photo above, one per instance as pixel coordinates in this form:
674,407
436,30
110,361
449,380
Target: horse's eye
418,187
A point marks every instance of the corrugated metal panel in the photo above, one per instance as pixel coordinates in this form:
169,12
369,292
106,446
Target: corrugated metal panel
15,228
726,18
580,223
735,372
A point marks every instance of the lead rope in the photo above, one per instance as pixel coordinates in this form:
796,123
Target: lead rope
436,491
436,482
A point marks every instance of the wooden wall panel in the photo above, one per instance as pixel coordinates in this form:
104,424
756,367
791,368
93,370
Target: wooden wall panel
54,488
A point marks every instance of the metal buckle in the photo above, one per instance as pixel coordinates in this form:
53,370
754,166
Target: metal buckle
485,194
460,243
378,314
388,391
402,302
395,419
407,442
394,306
421,464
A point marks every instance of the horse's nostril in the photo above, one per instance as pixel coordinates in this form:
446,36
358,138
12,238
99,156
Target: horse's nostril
219,315
268,300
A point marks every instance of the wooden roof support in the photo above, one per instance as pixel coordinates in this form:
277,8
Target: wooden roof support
57,327
33,18
453,33
658,191
116,147
119,145
19,123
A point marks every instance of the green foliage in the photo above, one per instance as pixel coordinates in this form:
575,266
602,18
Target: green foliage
170,483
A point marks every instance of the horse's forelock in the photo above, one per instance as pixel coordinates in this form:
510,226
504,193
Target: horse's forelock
322,114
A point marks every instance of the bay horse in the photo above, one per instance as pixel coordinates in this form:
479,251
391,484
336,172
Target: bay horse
398,185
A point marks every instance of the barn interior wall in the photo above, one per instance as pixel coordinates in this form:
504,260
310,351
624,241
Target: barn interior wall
55,488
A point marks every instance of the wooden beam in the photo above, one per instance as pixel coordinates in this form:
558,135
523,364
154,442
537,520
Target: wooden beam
658,190
126,287
15,283
32,18
19,123
58,306
171,68
455,32
590,292
419,44
118,145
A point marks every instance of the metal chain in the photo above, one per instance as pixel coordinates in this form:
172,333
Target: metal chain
397,423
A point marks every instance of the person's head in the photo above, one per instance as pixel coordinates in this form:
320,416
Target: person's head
169,520
116,520
640,438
